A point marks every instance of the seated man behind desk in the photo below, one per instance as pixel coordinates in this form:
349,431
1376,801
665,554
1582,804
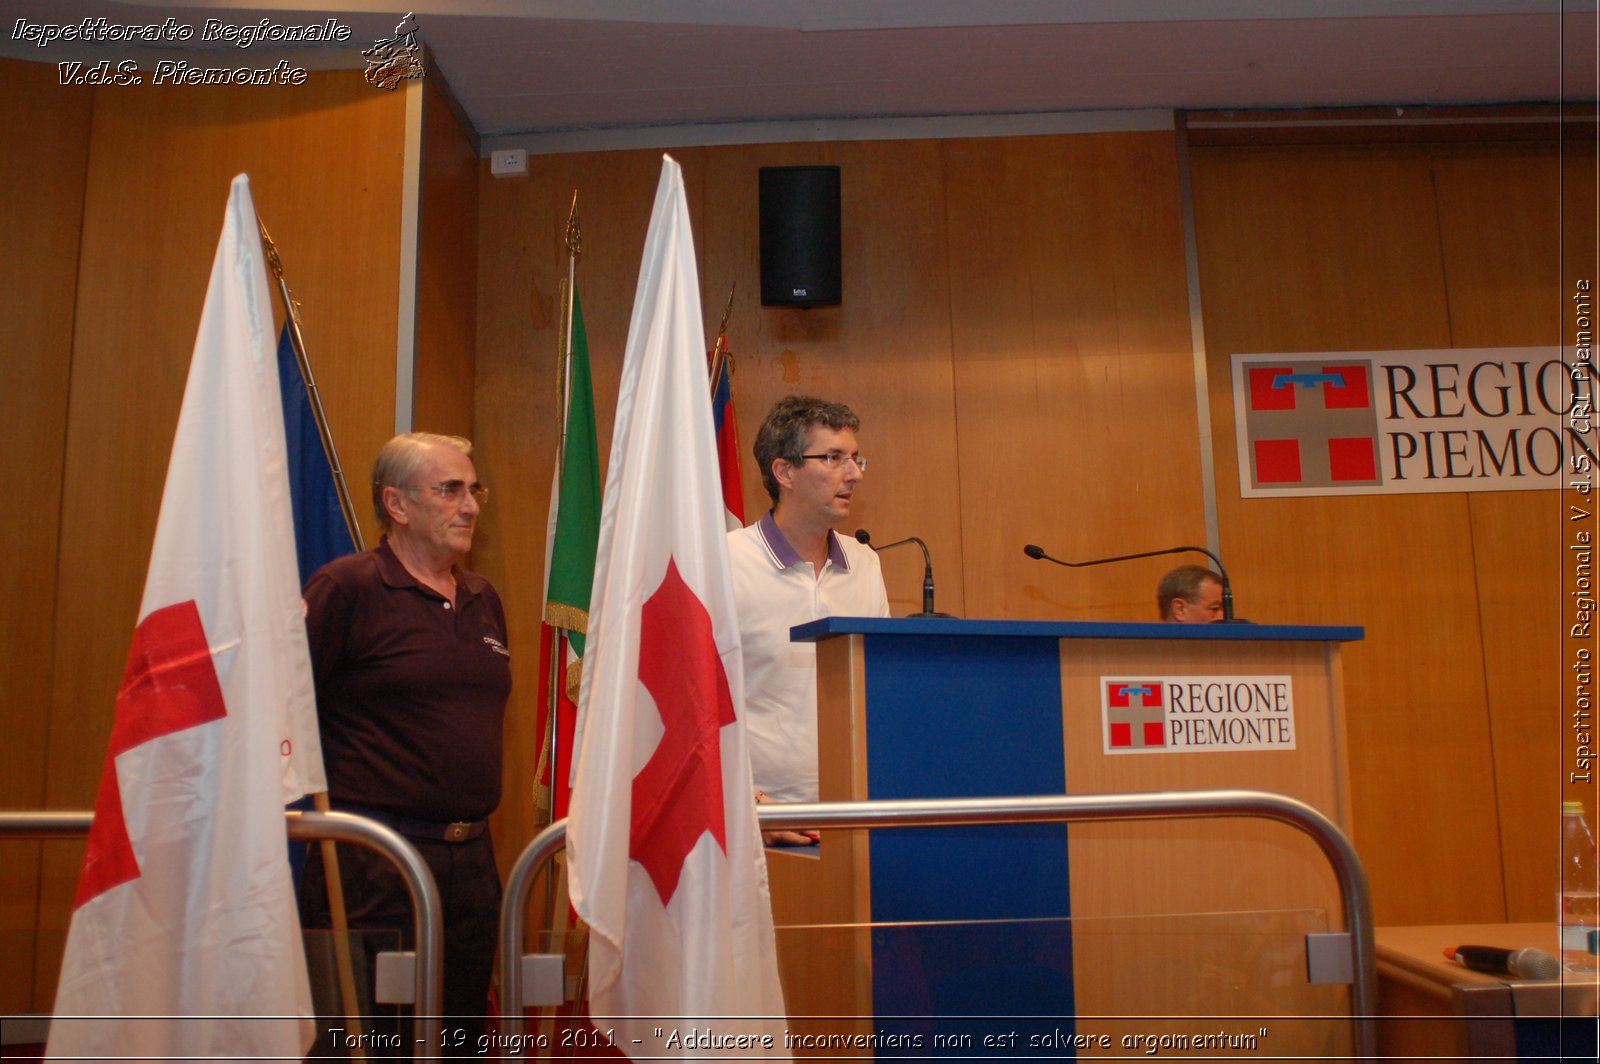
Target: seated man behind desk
409,657
789,568
1190,594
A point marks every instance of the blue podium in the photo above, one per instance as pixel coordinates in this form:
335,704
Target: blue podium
907,928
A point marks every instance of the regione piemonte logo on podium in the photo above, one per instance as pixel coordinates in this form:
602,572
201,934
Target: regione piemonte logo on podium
1196,714
1135,716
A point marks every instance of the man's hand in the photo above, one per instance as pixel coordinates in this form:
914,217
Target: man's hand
785,838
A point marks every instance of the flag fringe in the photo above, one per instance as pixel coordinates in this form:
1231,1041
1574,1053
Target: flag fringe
562,615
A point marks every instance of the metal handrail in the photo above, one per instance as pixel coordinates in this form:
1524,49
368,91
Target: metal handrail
341,827
45,825
1354,892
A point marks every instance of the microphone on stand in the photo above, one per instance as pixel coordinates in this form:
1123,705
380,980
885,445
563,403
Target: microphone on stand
1037,553
927,569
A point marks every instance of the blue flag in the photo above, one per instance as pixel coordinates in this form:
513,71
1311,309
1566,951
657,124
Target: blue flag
320,532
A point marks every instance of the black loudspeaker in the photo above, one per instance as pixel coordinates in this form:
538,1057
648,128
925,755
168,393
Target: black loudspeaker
800,236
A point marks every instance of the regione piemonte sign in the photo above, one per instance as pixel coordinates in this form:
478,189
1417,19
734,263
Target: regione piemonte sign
1402,422
1195,714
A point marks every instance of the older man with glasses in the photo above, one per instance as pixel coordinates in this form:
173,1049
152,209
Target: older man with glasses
791,567
412,673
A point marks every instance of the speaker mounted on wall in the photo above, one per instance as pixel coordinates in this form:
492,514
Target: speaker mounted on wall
800,236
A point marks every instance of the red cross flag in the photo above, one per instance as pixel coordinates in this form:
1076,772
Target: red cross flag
185,914
666,860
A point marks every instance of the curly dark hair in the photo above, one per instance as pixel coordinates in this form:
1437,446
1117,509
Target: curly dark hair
787,426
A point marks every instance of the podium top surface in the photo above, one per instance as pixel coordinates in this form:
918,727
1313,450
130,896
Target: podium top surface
812,631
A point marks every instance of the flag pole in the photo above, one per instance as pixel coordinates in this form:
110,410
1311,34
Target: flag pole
719,349
330,856
318,414
556,903
574,242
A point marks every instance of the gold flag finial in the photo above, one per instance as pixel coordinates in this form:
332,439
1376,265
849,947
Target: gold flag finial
271,249
574,231
727,311
720,356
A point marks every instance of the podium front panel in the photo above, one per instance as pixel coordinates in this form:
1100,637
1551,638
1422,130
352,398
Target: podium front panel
988,921
980,718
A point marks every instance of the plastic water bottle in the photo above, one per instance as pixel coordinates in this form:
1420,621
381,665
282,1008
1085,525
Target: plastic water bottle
1578,893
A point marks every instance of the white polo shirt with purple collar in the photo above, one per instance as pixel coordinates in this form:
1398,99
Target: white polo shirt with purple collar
775,590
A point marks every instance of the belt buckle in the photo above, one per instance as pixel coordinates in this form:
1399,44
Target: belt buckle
457,832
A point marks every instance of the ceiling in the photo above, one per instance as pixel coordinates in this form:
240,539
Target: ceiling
532,67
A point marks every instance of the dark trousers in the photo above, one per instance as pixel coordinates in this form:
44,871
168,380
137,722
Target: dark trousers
376,898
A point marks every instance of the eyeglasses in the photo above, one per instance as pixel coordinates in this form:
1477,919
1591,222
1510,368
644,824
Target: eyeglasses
835,459
453,490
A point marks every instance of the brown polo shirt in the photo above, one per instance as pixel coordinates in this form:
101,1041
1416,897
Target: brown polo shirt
411,690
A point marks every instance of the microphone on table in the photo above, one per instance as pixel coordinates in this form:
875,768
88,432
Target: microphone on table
1037,553
1528,963
863,536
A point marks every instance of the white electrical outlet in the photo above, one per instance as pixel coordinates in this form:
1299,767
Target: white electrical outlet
510,162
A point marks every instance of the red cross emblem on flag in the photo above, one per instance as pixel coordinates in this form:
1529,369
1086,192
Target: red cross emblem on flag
677,796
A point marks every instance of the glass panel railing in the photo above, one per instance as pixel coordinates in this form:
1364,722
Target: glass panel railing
1204,983
1214,984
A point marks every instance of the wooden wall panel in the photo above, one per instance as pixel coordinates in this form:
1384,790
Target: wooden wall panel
447,273
885,351
1073,371
1333,249
1499,214
1068,247
44,146
324,161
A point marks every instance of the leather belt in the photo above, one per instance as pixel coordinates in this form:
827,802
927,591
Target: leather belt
431,830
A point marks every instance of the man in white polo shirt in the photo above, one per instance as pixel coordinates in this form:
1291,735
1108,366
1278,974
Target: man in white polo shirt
790,567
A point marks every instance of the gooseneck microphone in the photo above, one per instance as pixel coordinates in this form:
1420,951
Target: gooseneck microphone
863,536
1037,553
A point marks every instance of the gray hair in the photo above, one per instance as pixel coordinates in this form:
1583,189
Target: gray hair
788,425
1185,582
399,461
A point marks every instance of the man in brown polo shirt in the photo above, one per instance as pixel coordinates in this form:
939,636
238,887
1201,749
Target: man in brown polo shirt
412,673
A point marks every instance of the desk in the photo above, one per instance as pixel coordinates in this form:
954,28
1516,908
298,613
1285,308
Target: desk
1432,1008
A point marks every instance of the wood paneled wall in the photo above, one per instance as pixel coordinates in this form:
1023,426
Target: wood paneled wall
117,197
1453,697
1013,311
447,271
1075,414
44,148
1015,334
